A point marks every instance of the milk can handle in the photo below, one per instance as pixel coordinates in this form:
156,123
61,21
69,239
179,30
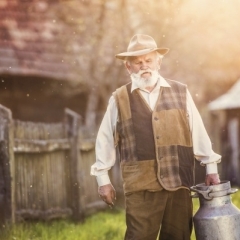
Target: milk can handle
204,193
232,190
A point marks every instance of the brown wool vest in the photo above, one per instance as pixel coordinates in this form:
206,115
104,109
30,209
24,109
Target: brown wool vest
155,146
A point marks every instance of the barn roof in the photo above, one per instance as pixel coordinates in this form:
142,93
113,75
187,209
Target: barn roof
229,100
33,41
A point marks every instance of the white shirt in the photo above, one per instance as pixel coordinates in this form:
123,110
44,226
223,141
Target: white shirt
105,149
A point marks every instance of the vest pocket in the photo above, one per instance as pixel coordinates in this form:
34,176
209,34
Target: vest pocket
140,175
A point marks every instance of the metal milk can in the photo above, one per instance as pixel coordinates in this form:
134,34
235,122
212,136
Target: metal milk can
217,217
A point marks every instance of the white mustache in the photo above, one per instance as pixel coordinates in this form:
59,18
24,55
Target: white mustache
141,72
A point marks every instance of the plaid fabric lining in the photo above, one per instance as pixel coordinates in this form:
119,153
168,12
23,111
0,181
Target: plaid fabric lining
128,143
125,126
172,98
169,166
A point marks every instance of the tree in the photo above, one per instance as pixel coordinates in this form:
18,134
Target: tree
193,30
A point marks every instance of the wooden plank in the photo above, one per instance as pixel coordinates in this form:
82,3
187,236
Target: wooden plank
6,136
37,146
12,166
5,186
49,214
73,122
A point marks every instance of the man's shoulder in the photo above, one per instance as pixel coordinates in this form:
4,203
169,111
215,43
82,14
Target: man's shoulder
172,82
121,94
176,84
122,88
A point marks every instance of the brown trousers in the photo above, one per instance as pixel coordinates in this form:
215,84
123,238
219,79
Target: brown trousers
147,213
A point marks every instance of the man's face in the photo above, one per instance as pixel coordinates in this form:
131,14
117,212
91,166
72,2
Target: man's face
143,63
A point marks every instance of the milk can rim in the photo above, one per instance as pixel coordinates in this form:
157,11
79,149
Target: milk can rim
223,185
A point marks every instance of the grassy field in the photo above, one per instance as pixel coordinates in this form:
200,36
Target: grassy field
108,225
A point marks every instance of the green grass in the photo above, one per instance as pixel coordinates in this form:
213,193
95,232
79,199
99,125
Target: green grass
108,225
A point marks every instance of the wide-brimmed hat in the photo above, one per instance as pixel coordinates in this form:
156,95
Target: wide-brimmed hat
141,44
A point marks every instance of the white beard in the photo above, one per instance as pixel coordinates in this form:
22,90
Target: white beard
143,83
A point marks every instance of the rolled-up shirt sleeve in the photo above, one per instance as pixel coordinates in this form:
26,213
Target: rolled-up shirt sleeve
202,145
105,149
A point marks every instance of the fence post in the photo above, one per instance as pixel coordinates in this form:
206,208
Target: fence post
73,122
7,183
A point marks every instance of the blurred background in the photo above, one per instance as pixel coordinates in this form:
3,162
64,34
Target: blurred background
57,54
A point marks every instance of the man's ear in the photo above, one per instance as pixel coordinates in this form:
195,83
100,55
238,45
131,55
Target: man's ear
128,67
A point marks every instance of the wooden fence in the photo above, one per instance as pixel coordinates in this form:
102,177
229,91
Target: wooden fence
45,170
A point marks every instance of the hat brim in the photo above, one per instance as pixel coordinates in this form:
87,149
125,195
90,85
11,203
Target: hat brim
124,55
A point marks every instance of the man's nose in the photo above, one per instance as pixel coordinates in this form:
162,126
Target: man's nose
144,66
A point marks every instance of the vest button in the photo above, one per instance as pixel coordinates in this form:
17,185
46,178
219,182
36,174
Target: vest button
162,176
158,137
155,118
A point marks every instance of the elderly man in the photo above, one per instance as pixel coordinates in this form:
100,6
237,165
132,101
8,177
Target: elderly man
158,130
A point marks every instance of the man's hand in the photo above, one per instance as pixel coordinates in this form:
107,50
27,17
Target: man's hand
212,179
108,194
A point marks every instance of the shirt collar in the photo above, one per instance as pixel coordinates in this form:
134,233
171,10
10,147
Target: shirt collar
161,82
